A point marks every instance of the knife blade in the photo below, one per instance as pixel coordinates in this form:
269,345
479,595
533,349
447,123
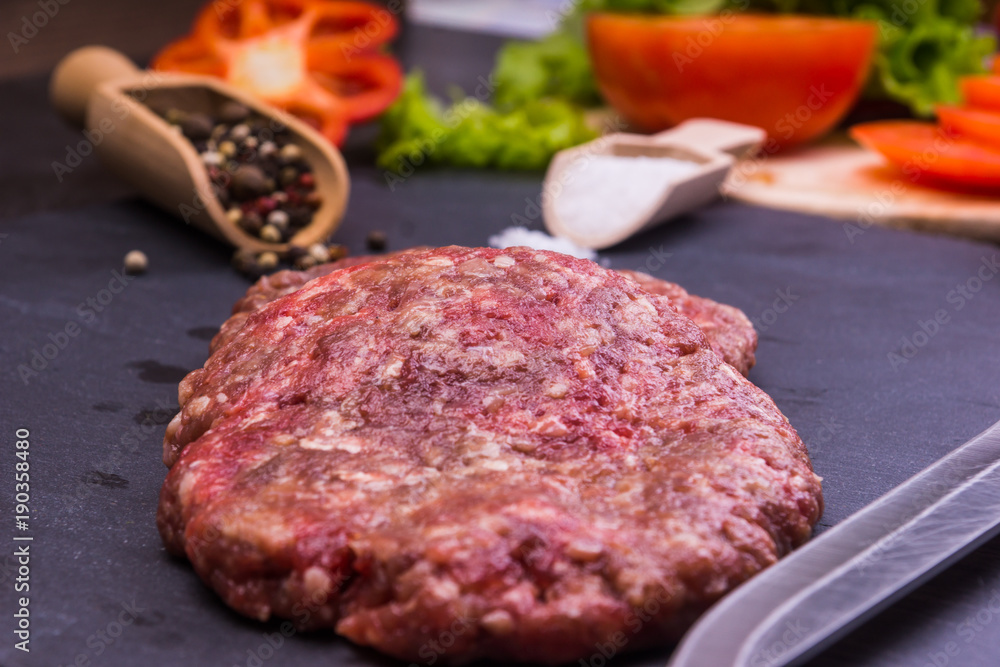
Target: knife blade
796,608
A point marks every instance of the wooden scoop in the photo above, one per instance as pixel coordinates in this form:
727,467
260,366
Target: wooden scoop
102,92
712,146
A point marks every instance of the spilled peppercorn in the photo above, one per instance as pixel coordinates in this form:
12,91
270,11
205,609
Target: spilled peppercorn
302,258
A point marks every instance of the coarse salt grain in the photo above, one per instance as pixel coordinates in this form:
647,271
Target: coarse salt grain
522,236
610,192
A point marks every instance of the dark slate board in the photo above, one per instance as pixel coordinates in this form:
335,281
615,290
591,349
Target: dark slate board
97,411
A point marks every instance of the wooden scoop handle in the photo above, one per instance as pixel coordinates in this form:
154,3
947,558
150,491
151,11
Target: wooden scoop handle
79,73
740,141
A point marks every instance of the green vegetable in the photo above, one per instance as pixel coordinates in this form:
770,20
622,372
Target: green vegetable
558,65
925,46
654,6
542,86
555,66
417,130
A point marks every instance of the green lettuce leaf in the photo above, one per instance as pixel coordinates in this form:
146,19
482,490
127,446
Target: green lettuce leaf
554,66
418,130
925,46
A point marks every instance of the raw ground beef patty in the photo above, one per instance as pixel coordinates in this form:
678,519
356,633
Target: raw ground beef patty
729,331
460,453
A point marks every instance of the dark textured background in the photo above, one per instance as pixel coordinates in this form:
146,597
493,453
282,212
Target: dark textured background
98,410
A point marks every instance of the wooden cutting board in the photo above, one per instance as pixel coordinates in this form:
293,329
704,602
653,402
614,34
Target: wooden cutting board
838,178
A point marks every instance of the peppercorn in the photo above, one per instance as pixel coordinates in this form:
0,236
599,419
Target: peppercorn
377,240
239,132
336,251
196,126
290,152
258,174
305,262
136,262
268,148
267,260
245,261
251,223
288,175
233,112
270,234
211,158
279,219
227,148
248,182
174,116
319,252
299,217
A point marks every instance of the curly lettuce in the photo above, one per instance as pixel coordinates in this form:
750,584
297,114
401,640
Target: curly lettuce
558,65
417,129
543,87
925,46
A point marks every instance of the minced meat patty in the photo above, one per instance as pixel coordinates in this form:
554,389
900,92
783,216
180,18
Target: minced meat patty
514,449
728,329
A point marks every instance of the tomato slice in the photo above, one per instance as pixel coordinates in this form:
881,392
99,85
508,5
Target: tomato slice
928,150
981,91
972,123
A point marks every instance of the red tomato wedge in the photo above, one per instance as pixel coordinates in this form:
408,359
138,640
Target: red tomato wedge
981,91
926,150
972,123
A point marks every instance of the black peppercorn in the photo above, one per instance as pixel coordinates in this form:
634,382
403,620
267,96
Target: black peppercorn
377,240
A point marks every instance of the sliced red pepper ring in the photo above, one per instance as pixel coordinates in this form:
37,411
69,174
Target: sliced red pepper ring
189,55
358,27
927,150
367,85
333,126
315,58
